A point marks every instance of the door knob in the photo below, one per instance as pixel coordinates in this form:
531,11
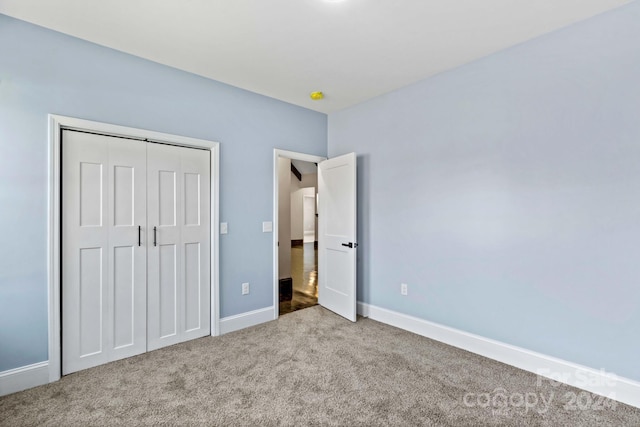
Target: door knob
350,245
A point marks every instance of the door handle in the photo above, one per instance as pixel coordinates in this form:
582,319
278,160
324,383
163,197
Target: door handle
350,245
155,235
139,235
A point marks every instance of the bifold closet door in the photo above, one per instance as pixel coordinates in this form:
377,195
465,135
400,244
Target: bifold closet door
103,249
179,244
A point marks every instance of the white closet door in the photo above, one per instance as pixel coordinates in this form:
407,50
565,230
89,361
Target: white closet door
179,244
103,265
196,243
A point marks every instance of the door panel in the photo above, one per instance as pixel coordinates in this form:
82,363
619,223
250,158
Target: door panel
167,197
127,300
168,313
91,291
103,268
124,296
179,277
84,251
340,263
124,196
163,172
192,199
337,231
339,212
196,241
91,197
193,286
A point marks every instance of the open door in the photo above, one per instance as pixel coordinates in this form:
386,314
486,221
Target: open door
337,235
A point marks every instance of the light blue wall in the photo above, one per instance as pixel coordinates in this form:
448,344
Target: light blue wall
44,72
506,193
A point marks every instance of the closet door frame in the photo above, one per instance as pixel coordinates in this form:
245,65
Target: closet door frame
54,256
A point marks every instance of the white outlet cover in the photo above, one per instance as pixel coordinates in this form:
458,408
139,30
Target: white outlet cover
245,288
267,227
224,229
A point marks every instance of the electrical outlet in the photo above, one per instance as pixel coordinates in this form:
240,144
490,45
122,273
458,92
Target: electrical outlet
245,289
404,289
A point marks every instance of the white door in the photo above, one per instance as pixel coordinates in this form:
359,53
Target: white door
104,255
135,247
179,244
309,217
337,235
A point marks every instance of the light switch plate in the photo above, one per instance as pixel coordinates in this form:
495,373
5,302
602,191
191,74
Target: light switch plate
267,227
223,228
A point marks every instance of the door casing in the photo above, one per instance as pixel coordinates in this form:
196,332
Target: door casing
277,154
54,256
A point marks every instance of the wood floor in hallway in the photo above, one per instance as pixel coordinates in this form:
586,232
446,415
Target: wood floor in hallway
304,272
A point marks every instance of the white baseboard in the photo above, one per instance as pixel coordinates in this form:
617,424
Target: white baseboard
25,377
245,320
546,367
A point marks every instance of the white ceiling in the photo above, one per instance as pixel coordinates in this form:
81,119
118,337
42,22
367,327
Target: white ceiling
351,50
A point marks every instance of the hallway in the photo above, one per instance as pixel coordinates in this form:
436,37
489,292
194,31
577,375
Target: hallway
304,272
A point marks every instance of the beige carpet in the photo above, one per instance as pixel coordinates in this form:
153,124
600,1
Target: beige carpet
310,367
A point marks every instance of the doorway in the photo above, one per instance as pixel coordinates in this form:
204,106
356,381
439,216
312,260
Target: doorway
336,229
298,248
295,232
